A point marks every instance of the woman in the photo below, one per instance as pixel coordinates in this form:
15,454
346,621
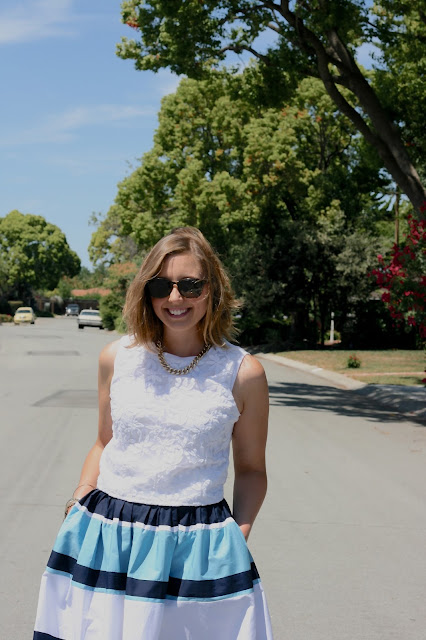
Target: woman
149,549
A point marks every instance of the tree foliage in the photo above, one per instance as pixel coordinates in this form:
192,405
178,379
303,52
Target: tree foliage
317,38
400,70
109,240
34,254
85,279
286,195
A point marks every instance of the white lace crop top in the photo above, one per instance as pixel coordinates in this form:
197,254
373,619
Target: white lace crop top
171,434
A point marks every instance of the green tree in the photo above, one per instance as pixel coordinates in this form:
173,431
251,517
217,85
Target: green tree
282,194
400,70
184,179
317,38
291,279
220,163
64,288
35,253
109,242
85,279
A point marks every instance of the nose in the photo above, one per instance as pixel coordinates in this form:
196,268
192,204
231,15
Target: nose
175,293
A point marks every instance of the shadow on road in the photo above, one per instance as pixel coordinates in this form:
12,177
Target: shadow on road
341,402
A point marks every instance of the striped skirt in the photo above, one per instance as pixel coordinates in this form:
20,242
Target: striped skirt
128,571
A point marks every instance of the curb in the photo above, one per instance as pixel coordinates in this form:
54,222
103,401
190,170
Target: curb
338,379
407,400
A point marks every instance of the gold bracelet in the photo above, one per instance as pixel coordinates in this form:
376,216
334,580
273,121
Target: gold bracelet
71,502
82,485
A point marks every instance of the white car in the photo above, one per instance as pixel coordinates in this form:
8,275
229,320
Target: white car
89,318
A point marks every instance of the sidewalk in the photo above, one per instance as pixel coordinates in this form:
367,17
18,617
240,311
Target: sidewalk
408,400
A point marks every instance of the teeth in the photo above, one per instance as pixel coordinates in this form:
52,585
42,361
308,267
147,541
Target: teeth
177,312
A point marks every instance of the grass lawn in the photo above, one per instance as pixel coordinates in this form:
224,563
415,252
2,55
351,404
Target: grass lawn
393,366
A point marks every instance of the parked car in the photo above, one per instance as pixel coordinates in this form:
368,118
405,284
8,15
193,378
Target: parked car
89,318
24,314
72,309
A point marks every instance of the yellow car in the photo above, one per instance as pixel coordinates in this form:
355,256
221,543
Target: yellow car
24,314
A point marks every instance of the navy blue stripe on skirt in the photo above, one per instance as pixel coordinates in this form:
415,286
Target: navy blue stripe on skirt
175,587
132,512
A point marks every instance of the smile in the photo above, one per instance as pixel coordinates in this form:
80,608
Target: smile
177,312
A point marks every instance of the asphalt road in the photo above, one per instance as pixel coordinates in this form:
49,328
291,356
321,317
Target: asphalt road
340,541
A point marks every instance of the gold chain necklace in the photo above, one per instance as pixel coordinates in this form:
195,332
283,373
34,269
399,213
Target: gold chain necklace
185,370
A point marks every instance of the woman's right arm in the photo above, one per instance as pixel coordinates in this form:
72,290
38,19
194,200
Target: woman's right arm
90,470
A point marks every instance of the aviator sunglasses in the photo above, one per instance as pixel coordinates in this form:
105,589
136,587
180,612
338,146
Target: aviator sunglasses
187,287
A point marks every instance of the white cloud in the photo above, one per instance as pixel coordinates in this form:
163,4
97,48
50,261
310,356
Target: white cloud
35,19
61,128
96,115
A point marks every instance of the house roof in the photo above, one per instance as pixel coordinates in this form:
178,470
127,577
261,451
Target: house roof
88,292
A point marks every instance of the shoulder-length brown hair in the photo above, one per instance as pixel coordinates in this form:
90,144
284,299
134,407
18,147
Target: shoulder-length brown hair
217,324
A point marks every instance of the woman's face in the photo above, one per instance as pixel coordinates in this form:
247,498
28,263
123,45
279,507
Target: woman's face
176,312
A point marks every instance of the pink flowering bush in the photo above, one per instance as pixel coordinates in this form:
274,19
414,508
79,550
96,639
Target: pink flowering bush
404,278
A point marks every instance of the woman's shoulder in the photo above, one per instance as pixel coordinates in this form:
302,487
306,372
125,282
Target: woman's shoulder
232,350
122,352
250,382
108,353
251,368
241,369
249,365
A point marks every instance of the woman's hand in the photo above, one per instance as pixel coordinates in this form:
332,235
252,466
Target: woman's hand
245,529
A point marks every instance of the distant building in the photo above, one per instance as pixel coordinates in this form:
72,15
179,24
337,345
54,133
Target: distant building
79,293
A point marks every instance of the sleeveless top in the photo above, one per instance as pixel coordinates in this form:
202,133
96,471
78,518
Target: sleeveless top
171,434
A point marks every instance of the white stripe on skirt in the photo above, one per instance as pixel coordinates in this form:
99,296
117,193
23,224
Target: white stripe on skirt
94,615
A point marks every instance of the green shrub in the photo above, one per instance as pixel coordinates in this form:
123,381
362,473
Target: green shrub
110,308
5,317
353,362
43,314
370,326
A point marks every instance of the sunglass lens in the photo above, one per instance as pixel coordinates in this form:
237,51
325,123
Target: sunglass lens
191,288
159,287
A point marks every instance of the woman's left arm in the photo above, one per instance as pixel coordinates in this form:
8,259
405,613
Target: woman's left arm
249,442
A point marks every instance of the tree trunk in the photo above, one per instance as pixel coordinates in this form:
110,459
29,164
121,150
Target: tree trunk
382,133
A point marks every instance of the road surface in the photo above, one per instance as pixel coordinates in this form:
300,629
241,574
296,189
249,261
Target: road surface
340,541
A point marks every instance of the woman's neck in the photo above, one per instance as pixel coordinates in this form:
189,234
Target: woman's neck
180,344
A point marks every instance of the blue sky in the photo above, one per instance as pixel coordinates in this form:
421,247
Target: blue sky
72,115
74,118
